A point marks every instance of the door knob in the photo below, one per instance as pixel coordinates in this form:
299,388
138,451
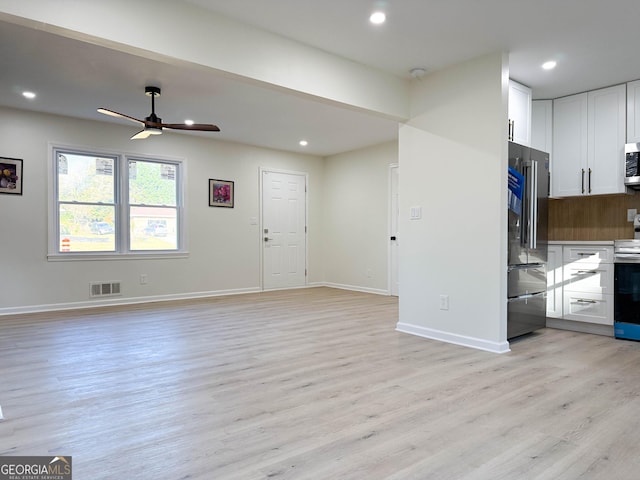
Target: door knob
266,239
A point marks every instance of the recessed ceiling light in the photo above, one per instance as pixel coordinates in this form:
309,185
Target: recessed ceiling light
377,18
189,122
29,95
550,65
303,143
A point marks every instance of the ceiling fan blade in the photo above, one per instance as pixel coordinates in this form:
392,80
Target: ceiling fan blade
203,127
142,134
111,113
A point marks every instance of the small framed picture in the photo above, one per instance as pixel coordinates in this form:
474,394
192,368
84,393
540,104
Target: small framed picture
11,175
220,193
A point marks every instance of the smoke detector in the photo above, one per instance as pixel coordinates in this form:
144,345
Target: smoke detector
417,72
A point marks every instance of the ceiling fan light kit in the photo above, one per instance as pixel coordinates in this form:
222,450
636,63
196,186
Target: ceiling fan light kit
153,124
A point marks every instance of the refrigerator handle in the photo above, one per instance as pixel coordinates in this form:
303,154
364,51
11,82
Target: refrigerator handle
524,218
548,184
533,204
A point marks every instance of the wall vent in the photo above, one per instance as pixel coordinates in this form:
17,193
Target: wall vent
104,289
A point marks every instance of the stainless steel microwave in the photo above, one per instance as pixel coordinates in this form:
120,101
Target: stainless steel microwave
632,165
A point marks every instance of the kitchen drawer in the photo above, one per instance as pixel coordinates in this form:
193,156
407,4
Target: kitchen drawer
584,253
588,307
588,277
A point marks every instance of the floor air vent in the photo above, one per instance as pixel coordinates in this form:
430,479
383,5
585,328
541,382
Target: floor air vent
104,289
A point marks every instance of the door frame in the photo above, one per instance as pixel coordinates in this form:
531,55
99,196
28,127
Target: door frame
261,171
392,167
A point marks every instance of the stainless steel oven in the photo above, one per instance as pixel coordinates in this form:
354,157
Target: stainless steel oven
626,289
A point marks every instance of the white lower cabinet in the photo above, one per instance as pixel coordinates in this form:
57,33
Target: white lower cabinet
588,307
588,277
580,285
554,281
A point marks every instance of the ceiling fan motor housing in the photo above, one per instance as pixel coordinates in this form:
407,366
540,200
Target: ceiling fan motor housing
153,118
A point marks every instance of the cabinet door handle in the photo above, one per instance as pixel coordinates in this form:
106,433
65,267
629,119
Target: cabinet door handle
583,181
586,272
586,254
582,300
589,180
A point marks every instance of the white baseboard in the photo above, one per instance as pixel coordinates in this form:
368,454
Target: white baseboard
123,301
111,301
477,343
355,288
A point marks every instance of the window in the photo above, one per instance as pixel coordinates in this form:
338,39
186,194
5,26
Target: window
114,204
153,206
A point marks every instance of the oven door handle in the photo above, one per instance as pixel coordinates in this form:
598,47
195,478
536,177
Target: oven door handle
629,257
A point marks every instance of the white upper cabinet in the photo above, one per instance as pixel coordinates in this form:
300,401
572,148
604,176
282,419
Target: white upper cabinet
633,112
606,135
542,125
519,113
589,131
569,145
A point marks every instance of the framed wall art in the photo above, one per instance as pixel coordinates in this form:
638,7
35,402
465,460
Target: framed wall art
220,193
11,175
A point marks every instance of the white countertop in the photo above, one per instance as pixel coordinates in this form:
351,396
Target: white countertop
581,242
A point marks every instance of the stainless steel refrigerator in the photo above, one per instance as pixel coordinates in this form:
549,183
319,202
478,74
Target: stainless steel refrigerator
527,258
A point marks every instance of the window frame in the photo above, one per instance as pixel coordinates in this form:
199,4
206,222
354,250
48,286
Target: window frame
122,207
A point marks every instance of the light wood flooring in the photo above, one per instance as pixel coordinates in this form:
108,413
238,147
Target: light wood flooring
310,384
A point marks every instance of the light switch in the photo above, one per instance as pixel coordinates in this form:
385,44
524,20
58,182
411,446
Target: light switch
415,213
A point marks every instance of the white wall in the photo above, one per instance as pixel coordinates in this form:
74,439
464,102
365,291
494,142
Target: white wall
356,217
453,163
224,249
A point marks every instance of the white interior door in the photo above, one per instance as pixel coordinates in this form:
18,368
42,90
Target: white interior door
284,244
393,232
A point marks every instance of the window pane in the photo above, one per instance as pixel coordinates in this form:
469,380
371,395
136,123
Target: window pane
152,183
85,178
87,228
153,228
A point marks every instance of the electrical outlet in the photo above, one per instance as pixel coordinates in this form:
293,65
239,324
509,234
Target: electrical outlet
444,302
631,213
143,279
369,273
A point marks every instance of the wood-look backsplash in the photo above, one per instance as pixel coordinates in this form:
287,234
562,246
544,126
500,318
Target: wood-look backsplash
597,217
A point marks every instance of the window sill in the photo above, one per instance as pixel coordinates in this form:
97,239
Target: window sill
93,256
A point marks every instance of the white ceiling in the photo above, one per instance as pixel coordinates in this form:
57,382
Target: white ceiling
593,41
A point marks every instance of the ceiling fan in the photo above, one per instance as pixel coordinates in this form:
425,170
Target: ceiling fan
153,124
